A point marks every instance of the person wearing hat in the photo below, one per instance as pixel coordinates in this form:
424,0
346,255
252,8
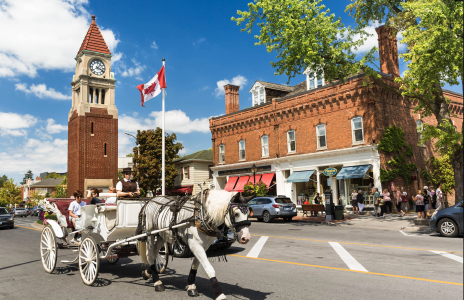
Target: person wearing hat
127,188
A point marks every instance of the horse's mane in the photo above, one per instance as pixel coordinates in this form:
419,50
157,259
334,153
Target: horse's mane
217,202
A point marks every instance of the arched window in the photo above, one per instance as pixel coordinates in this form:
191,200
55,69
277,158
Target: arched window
222,154
90,95
291,142
321,136
357,130
102,100
420,129
241,150
265,146
91,128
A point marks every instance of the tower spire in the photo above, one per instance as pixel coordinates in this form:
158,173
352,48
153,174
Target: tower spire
94,40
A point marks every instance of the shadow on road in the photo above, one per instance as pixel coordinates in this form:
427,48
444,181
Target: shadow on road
17,265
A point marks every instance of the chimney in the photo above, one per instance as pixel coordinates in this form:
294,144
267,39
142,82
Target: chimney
231,98
388,51
38,179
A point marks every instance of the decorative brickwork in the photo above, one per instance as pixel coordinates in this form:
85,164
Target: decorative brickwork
388,51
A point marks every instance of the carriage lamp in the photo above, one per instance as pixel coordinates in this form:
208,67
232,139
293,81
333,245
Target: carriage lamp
254,169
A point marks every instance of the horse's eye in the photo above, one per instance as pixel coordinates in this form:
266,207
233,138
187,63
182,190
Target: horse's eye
236,214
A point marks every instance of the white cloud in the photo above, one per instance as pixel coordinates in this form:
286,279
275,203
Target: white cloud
154,45
41,91
204,88
183,151
116,57
11,121
43,36
238,80
133,71
198,42
54,128
372,40
135,114
42,135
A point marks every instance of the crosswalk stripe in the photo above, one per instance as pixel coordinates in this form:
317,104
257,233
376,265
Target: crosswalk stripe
449,255
254,252
349,260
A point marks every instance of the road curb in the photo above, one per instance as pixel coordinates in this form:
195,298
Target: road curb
37,226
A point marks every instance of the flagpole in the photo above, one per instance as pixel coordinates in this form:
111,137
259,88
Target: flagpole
163,150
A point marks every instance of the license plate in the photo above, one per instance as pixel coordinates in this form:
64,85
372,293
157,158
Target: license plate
288,208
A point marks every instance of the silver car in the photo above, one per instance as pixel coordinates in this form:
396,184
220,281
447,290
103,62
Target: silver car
271,207
20,212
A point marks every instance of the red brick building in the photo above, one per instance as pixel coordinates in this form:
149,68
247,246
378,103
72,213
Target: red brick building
93,118
298,132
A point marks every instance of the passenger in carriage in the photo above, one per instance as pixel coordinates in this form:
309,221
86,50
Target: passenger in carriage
75,207
127,188
94,193
111,200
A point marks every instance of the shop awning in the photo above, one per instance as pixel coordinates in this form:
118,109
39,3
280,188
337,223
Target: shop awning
353,172
267,179
300,176
256,179
231,183
241,183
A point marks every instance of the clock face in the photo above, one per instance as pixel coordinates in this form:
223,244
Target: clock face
97,67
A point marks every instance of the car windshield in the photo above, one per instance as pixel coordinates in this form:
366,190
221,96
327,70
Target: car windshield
3,211
282,200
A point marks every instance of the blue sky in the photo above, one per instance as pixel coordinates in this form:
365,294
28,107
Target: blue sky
203,51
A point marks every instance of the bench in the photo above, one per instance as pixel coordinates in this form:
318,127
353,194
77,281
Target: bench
312,207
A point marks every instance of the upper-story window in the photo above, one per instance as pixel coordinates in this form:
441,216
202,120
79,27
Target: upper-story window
222,154
312,80
321,137
265,146
259,94
186,173
241,150
420,128
357,129
291,144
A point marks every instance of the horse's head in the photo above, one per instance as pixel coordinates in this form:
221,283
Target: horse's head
237,220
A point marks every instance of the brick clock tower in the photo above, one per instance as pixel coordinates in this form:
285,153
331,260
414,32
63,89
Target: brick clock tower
93,118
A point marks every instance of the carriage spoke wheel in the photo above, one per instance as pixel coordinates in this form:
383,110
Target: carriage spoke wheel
89,260
48,249
162,259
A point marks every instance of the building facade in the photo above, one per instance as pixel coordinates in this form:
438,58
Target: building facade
93,118
193,169
316,136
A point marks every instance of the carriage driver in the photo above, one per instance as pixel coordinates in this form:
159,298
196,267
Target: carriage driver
127,188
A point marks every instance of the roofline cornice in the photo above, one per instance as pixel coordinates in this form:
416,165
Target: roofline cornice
92,53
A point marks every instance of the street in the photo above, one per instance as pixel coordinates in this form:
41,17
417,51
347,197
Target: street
294,260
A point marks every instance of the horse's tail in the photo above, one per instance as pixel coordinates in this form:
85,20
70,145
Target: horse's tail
142,250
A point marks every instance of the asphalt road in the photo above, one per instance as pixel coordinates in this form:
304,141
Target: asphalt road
296,261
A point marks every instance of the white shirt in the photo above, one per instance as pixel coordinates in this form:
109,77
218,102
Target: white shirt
110,200
439,193
76,208
119,185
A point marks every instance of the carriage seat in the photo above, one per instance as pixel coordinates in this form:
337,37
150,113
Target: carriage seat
63,207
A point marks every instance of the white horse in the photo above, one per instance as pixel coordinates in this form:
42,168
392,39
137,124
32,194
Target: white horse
221,207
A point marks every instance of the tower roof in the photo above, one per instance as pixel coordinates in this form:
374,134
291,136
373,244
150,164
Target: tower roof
93,40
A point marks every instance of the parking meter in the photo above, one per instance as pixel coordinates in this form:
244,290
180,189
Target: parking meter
329,206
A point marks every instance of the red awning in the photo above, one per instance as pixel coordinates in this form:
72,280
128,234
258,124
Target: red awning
256,180
181,191
241,183
230,184
267,179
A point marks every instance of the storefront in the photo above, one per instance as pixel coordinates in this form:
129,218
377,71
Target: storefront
234,180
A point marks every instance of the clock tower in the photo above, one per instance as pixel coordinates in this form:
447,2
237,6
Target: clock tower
93,118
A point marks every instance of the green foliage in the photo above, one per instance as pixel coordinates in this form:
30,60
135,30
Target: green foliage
120,176
258,189
2,180
393,142
143,193
27,176
10,194
148,164
60,191
130,155
54,175
447,139
47,195
441,172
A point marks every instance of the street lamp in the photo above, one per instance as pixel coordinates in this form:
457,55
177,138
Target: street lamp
254,169
138,151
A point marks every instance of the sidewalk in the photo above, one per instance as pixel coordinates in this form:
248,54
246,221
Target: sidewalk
390,222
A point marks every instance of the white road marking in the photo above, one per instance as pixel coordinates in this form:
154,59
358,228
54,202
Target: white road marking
413,234
254,252
449,255
349,260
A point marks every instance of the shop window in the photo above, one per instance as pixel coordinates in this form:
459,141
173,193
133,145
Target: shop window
321,137
241,150
291,141
265,145
420,129
357,130
222,154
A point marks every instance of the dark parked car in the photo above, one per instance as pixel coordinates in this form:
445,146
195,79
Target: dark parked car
35,211
6,220
449,222
271,207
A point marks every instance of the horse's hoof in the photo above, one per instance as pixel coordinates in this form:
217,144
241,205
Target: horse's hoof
159,287
193,293
146,275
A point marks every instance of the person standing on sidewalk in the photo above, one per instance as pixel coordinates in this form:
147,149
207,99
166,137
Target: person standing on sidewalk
398,202
420,207
360,200
427,198
387,201
440,204
376,205
381,204
404,203
354,202
433,204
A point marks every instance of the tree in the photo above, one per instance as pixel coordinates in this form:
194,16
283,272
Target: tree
27,176
306,35
10,194
54,175
2,180
130,155
148,165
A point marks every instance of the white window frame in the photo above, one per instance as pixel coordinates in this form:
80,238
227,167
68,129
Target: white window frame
289,149
353,135
258,94
318,136
265,146
223,152
240,143
312,76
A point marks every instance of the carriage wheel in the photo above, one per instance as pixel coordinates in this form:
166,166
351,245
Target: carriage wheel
162,259
48,249
89,260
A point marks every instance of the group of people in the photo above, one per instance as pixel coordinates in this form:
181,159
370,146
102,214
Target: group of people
357,201
426,198
317,200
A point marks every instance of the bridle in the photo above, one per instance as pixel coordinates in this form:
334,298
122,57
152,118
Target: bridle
236,226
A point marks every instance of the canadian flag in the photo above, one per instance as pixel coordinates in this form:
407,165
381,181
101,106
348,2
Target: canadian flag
153,87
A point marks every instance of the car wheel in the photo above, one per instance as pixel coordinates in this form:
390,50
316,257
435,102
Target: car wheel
267,217
448,228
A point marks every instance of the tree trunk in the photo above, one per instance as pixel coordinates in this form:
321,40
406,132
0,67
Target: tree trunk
457,163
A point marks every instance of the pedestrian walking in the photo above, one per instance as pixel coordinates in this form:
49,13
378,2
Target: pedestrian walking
381,204
440,203
360,200
387,201
354,201
420,207
404,203
398,202
427,198
376,205
434,198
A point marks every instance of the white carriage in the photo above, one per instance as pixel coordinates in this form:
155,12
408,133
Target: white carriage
108,232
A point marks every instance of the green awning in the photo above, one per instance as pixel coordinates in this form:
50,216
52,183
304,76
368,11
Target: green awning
353,172
300,176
